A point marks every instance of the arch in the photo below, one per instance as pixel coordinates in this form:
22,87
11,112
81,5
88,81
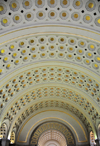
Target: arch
52,130
50,60
67,106
52,142
52,136
57,117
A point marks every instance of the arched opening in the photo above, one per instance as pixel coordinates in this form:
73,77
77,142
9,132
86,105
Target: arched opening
52,138
52,134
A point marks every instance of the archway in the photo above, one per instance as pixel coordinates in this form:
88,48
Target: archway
52,134
52,138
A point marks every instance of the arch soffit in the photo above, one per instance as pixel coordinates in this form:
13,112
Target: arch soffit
59,82
71,29
39,101
52,130
57,118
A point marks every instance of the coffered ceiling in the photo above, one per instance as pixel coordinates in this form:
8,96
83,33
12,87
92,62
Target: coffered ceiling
49,61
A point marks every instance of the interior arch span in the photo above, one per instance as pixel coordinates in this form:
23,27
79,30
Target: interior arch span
70,77
49,131
49,116
50,91
49,62
50,137
46,105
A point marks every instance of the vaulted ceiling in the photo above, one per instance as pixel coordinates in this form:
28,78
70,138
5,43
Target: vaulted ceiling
49,67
